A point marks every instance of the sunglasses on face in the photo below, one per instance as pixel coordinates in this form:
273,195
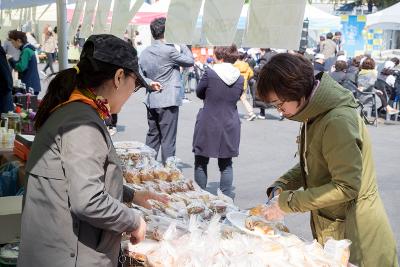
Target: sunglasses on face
137,83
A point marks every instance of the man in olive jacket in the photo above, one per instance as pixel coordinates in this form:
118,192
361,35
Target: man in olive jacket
336,168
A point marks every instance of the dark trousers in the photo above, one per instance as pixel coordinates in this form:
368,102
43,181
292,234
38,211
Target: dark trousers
50,60
225,167
6,102
163,125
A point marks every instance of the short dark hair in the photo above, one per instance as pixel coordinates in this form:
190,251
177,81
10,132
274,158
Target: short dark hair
340,65
157,28
242,55
227,53
338,34
368,64
290,76
395,60
15,35
340,53
329,35
356,61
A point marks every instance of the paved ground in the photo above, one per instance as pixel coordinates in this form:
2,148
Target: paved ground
266,151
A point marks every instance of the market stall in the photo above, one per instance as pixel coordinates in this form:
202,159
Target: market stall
198,228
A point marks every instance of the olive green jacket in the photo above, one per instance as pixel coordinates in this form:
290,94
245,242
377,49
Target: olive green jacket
337,172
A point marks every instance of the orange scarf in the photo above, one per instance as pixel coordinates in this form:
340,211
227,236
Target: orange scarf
103,109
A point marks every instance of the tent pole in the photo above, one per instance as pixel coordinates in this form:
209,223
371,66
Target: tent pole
62,34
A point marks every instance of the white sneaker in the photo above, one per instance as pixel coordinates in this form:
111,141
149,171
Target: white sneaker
112,130
260,117
252,117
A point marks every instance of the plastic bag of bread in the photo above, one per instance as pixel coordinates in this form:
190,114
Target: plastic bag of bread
171,164
131,176
257,210
196,207
146,174
219,206
339,250
147,152
260,226
161,173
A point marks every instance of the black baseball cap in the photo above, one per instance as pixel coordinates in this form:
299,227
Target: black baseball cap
113,50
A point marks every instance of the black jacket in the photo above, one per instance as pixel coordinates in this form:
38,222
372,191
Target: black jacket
6,83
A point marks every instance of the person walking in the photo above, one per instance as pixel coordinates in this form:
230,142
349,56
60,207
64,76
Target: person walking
49,46
160,64
247,73
217,129
335,177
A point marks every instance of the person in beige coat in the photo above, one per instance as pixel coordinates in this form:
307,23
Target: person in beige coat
73,213
49,46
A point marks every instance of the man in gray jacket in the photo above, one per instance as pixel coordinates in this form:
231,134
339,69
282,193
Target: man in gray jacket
161,62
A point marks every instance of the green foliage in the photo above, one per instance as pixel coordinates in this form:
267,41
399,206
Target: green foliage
385,3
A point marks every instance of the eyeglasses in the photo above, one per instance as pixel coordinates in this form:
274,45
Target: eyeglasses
278,106
138,85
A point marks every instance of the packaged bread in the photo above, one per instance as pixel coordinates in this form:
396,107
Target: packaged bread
257,210
174,175
258,225
132,176
196,207
146,175
218,206
161,173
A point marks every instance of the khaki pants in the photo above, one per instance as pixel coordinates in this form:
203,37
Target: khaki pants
246,103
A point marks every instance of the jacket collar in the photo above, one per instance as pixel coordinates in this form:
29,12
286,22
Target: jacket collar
328,95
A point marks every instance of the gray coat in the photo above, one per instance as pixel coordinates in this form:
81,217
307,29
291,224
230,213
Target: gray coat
217,129
160,63
73,215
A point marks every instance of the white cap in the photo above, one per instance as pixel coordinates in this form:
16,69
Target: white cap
319,56
388,65
241,50
341,58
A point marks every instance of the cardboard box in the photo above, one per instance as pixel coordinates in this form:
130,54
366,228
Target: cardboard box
10,219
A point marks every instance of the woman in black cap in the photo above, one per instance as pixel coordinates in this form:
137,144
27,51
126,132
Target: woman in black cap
73,214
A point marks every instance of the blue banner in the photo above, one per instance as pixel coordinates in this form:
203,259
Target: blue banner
353,27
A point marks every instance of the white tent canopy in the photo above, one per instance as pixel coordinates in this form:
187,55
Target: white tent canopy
319,19
13,4
387,18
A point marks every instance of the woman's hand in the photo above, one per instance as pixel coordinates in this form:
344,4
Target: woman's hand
139,234
276,191
272,211
141,198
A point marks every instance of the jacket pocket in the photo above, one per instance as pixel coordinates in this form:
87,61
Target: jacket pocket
326,228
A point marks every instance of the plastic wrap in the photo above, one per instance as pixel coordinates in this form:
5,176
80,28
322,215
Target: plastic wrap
339,250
